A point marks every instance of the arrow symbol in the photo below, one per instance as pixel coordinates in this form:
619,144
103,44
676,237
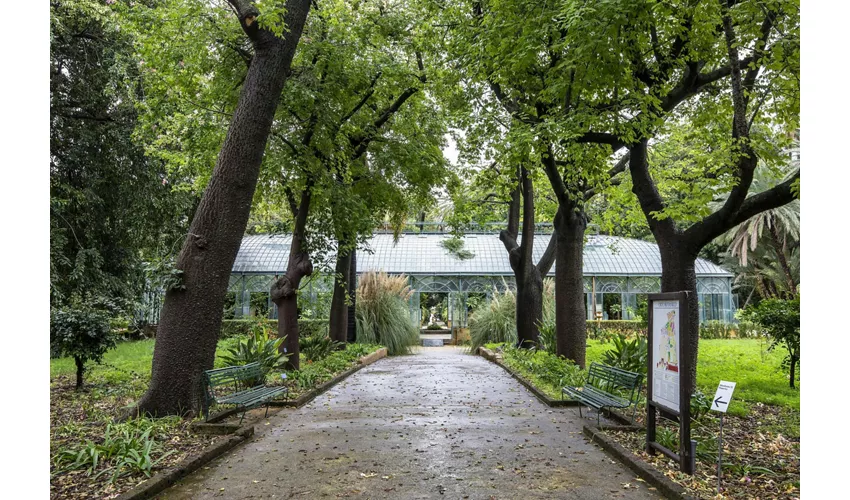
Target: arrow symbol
717,401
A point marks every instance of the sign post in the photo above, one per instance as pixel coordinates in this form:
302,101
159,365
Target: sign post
669,374
720,403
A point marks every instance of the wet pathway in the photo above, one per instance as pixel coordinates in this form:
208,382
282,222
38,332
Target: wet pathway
439,424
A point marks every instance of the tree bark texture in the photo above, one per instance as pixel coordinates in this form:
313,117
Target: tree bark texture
570,313
529,308
191,315
338,328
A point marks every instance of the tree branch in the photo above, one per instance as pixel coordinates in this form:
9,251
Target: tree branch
644,188
548,257
369,92
547,158
247,14
718,223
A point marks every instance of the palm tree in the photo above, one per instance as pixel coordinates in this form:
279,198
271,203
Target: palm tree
780,227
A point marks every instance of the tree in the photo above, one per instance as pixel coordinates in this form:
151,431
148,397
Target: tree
529,277
782,225
81,332
191,314
538,80
734,125
110,207
497,165
357,137
781,319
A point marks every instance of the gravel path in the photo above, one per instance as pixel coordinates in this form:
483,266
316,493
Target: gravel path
438,424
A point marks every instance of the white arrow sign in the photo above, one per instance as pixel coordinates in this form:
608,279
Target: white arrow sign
723,396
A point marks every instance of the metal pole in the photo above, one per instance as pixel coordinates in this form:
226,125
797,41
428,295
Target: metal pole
719,453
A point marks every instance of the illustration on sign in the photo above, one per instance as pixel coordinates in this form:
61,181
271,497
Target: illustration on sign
723,396
665,346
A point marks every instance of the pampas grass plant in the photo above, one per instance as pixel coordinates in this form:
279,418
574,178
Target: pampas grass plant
382,313
495,321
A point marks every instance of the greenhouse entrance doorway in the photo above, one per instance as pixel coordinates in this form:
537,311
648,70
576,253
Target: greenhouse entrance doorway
443,316
435,324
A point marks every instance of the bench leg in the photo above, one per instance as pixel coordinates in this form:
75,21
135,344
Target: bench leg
267,410
242,417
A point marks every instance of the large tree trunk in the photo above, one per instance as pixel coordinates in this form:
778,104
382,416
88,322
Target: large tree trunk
678,274
528,276
338,327
284,292
191,315
529,307
570,314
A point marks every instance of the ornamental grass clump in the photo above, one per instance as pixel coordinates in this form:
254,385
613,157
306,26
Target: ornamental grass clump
383,316
494,322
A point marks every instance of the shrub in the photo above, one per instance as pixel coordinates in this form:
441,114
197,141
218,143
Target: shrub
81,332
308,327
716,329
700,405
243,326
549,368
382,313
748,329
781,319
260,347
604,335
547,336
434,326
317,347
625,326
494,322
627,354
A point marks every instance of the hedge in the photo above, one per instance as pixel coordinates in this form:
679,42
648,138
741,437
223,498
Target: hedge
306,327
628,327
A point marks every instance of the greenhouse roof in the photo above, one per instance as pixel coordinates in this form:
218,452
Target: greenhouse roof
422,254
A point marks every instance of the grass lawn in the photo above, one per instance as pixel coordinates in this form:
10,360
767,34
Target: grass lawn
758,373
133,356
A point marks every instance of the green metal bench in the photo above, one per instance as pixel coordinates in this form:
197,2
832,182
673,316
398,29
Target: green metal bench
249,389
606,387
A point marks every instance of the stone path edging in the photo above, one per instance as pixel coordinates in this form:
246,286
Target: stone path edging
167,477
646,471
497,359
311,394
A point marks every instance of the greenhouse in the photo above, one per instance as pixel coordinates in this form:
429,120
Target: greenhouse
617,273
